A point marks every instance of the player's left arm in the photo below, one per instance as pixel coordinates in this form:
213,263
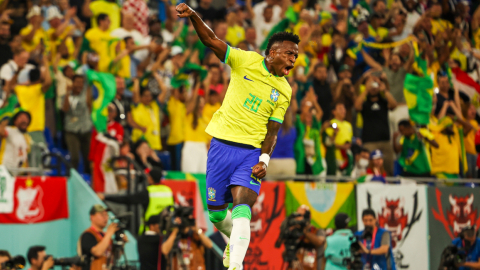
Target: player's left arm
260,170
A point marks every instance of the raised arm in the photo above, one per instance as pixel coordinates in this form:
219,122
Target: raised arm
206,35
370,61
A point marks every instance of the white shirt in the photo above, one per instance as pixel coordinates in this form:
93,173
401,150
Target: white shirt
138,38
7,71
263,28
16,147
412,19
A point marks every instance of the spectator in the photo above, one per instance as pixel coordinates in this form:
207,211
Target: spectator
94,243
208,13
470,141
399,30
194,152
235,30
32,99
361,163
395,72
177,112
445,93
33,33
14,66
145,156
145,116
97,39
102,148
16,12
308,144
148,245
374,104
15,139
128,30
322,90
251,39
139,10
345,92
276,12
412,147
151,203
6,43
263,20
122,103
282,161
60,33
100,8
37,258
375,28
375,168
77,105
340,136
215,92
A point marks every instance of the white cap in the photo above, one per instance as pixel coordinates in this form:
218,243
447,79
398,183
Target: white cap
53,13
34,11
176,50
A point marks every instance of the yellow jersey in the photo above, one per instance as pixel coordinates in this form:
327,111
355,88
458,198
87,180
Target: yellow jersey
33,44
235,34
53,42
147,116
198,134
209,110
176,112
254,97
99,42
112,9
470,138
32,100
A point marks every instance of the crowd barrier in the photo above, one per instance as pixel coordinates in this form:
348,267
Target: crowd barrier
48,211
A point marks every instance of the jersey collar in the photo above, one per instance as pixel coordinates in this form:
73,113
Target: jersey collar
265,69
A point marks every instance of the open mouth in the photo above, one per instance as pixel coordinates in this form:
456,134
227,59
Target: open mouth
287,69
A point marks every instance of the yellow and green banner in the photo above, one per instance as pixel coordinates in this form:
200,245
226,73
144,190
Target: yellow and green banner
325,200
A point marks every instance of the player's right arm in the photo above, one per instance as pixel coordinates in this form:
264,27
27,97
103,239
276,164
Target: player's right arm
206,35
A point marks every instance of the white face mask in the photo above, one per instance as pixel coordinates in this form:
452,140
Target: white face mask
363,163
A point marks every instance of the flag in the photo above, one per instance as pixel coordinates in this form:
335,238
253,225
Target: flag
181,78
467,85
106,87
418,93
7,185
38,199
324,200
7,111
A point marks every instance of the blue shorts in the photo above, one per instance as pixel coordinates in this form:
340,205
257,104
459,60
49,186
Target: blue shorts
229,165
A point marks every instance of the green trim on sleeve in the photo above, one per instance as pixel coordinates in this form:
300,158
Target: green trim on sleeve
276,120
227,53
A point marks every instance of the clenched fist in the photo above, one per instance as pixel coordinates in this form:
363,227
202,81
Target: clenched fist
184,10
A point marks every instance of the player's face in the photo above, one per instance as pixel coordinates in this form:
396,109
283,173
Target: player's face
284,57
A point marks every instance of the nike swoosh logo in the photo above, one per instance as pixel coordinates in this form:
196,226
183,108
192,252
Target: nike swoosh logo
243,238
247,78
253,183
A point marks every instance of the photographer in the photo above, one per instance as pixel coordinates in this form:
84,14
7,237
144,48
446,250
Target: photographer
375,243
468,245
303,242
36,257
153,199
185,245
96,244
337,247
149,245
4,256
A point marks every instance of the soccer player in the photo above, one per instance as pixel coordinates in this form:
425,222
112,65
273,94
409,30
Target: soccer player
244,130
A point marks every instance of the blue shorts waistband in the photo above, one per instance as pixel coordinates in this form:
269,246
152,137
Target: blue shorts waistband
241,145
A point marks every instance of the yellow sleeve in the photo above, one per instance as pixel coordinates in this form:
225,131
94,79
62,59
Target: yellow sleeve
279,112
402,139
427,134
26,30
235,57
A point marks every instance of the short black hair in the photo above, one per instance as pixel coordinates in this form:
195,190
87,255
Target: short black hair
376,2
33,252
364,150
335,104
101,17
127,39
76,76
404,123
34,75
368,212
281,37
4,253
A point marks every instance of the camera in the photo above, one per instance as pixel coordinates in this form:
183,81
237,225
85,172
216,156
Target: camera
122,223
355,261
170,213
68,261
291,232
17,262
451,258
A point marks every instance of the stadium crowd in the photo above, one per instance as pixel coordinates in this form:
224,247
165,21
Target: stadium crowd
380,88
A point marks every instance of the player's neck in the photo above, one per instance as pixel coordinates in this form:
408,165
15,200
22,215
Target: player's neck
269,66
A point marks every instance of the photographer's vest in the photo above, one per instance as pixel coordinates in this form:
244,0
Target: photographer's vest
338,249
159,197
99,263
380,260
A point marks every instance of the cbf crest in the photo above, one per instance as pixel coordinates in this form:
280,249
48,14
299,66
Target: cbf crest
274,95
211,194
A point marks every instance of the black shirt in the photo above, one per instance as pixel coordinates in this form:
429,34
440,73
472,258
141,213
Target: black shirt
149,251
141,198
375,120
123,107
88,241
6,53
210,14
441,99
324,98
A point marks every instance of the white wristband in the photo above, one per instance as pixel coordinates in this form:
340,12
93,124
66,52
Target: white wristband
265,158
